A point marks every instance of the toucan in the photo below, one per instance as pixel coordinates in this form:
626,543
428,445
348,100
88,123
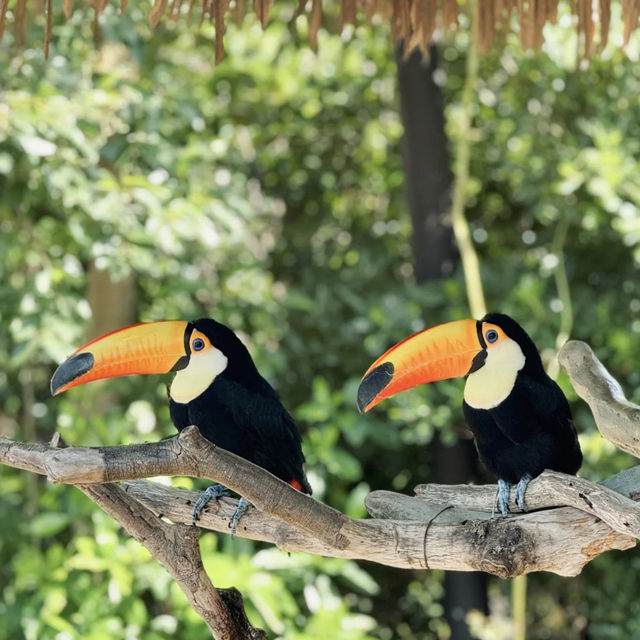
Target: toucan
519,416
217,387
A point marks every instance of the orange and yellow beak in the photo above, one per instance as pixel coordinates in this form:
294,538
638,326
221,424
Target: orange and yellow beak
449,350
154,347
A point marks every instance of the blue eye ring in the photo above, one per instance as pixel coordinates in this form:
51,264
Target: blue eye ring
491,335
198,344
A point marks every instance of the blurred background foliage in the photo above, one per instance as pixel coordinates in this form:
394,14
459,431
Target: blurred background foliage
268,193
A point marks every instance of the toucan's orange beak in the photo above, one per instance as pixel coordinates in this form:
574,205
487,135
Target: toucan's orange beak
154,347
449,350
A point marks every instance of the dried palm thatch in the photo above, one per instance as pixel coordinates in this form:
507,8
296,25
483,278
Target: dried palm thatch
415,22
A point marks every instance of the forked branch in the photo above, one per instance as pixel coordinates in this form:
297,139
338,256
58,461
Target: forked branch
618,420
567,539
176,547
571,520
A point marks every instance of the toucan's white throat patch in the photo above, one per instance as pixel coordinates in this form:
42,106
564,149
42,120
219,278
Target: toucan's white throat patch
198,375
492,383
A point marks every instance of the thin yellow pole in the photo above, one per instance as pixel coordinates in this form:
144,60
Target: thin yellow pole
563,289
461,230
519,607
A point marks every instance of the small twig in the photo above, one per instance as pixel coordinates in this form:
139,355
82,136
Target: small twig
563,289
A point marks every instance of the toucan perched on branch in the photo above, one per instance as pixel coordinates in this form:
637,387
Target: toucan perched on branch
519,417
217,388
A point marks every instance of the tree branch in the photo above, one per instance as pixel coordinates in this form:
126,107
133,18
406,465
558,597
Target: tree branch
567,539
554,489
618,420
558,540
444,527
189,454
177,548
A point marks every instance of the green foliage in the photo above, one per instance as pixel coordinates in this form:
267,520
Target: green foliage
268,193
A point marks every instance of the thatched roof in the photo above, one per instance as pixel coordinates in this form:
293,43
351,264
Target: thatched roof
415,21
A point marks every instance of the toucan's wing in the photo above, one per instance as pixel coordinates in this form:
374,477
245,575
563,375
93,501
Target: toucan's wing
272,436
532,407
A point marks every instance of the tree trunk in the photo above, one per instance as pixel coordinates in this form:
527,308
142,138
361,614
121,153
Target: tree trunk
428,180
428,176
113,303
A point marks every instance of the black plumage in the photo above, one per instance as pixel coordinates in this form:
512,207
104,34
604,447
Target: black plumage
216,388
532,428
520,418
527,433
242,413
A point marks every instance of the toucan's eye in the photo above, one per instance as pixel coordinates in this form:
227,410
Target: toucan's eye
198,344
492,335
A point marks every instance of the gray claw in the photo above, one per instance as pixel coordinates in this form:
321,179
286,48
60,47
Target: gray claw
243,503
215,491
502,497
520,490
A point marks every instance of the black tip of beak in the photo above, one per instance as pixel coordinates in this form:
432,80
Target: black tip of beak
373,383
71,369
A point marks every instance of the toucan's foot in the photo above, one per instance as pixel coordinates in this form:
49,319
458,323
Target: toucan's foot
243,503
520,489
215,491
502,497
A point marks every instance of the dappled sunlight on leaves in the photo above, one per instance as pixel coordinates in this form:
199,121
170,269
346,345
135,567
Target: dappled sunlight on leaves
268,193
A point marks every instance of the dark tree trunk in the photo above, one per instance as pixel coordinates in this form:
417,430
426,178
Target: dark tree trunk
428,176
428,188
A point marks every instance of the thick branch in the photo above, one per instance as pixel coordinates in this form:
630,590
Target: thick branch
190,454
618,420
482,497
445,527
177,548
561,540
177,506
558,540
552,489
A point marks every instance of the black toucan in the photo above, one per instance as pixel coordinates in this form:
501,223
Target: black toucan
520,418
216,387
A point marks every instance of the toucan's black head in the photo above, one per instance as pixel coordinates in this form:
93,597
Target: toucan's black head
198,351
240,365
494,346
533,362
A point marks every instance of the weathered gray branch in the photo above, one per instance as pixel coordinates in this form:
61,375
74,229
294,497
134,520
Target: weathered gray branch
482,497
559,540
177,547
618,419
444,527
190,454
552,489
